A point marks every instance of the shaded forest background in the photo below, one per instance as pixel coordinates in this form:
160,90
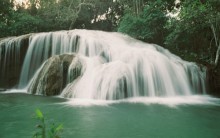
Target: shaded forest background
190,29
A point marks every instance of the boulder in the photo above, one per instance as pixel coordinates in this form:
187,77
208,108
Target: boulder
52,77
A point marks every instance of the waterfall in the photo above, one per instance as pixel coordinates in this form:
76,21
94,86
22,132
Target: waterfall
12,51
114,66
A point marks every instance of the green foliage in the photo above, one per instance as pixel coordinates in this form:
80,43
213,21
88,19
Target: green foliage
41,125
99,15
149,25
53,132
57,15
6,10
191,20
132,25
3,29
51,15
194,33
24,23
195,29
191,29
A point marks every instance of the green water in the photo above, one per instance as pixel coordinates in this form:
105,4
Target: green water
117,120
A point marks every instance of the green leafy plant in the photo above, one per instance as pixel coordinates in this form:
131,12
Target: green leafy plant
53,131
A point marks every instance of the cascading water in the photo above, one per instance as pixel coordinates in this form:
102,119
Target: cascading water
114,66
12,51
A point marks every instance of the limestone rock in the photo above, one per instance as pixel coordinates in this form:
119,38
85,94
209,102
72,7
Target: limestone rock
53,75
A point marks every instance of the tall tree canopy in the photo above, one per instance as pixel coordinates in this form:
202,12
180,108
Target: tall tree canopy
193,33
50,15
196,29
146,19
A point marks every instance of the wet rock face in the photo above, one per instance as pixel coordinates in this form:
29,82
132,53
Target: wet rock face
12,54
214,80
53,75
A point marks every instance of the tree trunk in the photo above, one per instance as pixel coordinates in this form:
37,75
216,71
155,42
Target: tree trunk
217,44
78,11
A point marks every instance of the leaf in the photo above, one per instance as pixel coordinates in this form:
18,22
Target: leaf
37,134
39,114
59,128
39,126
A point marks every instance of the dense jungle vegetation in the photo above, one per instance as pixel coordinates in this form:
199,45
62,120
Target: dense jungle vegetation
190,29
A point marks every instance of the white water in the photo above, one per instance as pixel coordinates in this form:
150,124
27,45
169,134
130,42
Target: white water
10,56
11,50
173,102
115,66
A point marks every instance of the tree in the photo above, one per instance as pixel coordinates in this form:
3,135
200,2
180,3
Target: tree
6,10
148,25
214,21
99,15
24,23
6,7
51,15
196,29
57,15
